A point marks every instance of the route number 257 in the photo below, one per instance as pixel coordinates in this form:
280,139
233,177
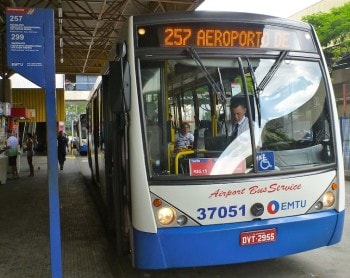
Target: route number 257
177,36
15,18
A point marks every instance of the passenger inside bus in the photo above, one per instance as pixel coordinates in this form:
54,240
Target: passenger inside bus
184,139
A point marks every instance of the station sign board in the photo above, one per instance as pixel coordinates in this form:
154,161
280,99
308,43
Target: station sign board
25,43
30,52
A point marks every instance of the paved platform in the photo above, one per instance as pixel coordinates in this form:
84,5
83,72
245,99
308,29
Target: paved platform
24,225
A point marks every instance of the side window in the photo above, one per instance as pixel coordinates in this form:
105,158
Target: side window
151,94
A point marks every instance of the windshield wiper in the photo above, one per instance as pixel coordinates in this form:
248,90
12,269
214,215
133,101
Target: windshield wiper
251,126
255,93
272,71
219,91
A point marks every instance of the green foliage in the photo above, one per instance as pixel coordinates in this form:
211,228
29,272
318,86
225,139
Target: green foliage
73,110
249,79
333,31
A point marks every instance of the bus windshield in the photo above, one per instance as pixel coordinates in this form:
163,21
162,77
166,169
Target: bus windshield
220,116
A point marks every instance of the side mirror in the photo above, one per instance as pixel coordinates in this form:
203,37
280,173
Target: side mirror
118,81
120,50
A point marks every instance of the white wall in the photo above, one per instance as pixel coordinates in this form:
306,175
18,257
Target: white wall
18,81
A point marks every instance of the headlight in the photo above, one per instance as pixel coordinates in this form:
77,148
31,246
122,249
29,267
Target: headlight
181,220
166,215
328,199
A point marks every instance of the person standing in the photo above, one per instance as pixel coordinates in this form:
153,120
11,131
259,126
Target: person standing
12,151
61,148
35,143
30,153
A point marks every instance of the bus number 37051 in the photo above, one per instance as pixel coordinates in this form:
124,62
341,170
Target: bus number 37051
221,212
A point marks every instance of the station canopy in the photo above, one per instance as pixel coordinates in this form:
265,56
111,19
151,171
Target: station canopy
86,31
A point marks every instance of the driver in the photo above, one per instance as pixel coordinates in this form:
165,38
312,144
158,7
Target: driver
238,122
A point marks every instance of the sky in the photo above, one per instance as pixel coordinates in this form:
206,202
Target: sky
281,8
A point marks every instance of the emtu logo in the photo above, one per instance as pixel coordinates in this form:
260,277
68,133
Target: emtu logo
273,207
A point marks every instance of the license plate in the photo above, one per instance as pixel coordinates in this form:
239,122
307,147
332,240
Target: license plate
257,237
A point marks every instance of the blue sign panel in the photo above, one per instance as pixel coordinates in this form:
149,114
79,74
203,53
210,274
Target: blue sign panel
30,52
25,43
266,161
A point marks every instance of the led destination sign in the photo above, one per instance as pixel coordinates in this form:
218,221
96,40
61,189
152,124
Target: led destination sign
224,36
217,38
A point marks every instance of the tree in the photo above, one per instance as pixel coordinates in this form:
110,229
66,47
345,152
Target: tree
333,31
73,110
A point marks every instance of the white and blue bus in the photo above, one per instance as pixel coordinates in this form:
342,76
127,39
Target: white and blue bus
80,131
276,189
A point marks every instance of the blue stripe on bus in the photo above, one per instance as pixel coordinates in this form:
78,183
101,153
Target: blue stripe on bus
220,244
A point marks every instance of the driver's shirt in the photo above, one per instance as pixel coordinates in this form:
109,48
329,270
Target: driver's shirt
230,125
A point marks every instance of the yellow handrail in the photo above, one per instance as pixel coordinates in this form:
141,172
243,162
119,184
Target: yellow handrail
178,155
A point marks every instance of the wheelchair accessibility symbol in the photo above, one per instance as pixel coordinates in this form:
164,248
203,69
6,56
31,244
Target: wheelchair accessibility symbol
266,161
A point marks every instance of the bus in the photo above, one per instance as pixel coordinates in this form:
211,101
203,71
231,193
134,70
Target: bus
277,189
80,131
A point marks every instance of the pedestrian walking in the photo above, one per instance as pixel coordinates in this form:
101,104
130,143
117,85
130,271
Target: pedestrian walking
30,152
61,148
12,152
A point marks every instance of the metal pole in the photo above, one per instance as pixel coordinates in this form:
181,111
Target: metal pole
55,228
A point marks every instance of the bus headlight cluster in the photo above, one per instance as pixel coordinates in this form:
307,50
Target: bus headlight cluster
168,216
327,200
